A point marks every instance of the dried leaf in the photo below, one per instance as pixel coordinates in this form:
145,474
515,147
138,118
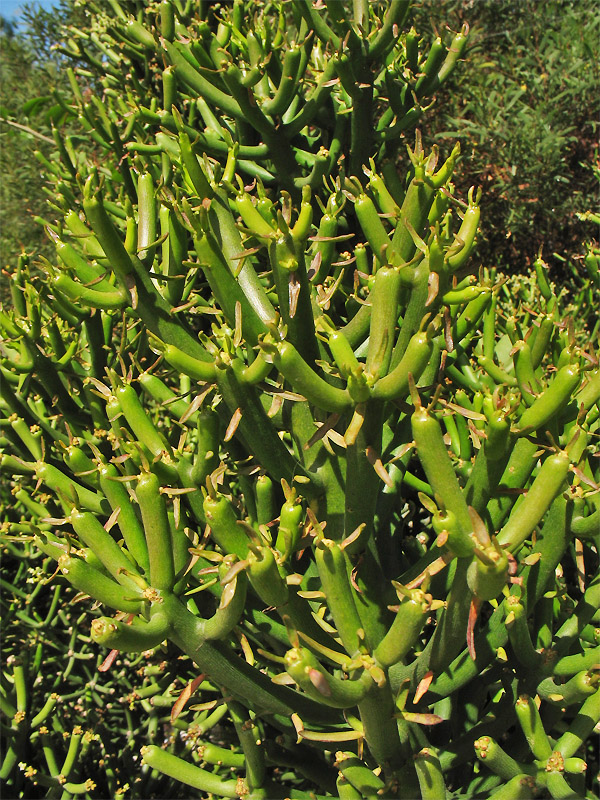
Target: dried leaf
108,661
283,679
421,719
423,686
185,695
322,430
233,424
246,649
375,461
474,609
333,736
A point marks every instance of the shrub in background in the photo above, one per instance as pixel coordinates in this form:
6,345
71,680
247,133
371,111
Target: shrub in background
281,424
28,66
526,115
20,195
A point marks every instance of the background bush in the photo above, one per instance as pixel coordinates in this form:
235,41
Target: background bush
526,111
31,70
143,723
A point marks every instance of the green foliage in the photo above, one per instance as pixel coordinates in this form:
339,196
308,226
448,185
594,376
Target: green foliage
263,407
20,190
63,713
526,114
28,65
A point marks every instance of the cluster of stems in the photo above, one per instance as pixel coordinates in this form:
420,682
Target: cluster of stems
265,405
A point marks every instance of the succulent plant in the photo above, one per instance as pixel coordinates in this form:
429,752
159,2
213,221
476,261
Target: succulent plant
281,422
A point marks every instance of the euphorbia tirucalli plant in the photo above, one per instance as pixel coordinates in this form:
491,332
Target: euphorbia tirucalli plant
283,425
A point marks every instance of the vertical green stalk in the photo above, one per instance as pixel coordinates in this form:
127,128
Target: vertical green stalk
362,482
157,530
294,295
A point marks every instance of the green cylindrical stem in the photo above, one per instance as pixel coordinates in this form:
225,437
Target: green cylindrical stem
290,528
363,483
107,299
406,627
134,638
541,344
487,578
225,530
495,758
109,239
250,740
547,485
429,773
231,604
167,20
581,727
206,457
384,316
197,178
174,253
569,665
346,790
305,380
128,522
532,727
213,754
585,611
587,527
334,572
558,787
373,228
575,690
157,531
551,544
204,371
551,401
359,775
69,489
452,625
227,669
342,353
138,420
519,635
521,787
490,462
99,586
265,500
524,372
265,578
289,77
31,441
323,687
415,310
415,208
146,229
158,390
519,467
45,711
325,247
461,250
260,437
394,385
226,290
184,772
441,475
377,711
91,532
294,294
